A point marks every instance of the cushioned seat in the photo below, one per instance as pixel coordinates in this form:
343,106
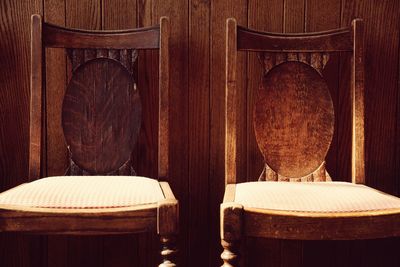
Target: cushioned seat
84,192
313,197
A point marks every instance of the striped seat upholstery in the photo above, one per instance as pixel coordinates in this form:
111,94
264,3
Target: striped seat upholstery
84,192
313,197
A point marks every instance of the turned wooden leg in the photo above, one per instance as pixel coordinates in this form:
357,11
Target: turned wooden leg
167,228
168,251
230,255
231,233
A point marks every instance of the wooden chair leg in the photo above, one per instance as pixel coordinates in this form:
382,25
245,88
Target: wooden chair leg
231,233
230,255
167,228
168,251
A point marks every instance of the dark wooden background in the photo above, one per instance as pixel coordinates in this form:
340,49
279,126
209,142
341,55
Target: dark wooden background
197,104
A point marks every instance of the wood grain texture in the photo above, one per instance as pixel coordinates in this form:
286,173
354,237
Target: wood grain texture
16,250
380,34
163,100
358,107
199,130
293,119
256,220
36,118
101,116
232,100
382,97
67,221
329,41
353,225
55,36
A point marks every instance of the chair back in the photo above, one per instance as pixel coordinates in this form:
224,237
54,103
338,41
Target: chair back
293,114
101,108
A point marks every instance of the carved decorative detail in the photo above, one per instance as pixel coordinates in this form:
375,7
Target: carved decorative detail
230,255
101,114
319,175
127,57
317,60
168,251
293,109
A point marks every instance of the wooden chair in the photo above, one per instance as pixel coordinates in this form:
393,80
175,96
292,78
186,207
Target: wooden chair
101,118
293,121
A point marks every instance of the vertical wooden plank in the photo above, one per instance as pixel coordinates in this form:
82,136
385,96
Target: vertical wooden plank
15,25
398,125
199,130
232,101
381,33
15,28
357,99
163,100
294,16
121,250
36,116
264,16
118,15
398,128
83,14
220,11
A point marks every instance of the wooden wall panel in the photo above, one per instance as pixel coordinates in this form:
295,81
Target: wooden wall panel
15,249
197,121
199,127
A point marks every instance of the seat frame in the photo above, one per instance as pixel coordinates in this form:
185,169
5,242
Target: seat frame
237,221
163,216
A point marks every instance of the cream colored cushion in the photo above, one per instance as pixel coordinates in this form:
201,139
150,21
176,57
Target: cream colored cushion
313,197
84,192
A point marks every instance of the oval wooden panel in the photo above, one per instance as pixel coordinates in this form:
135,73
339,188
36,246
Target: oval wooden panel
293,119
101,115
